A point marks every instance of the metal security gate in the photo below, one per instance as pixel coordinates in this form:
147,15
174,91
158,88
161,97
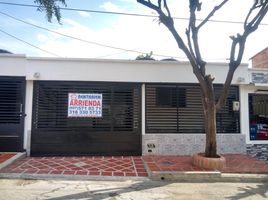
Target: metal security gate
12,95
177,108
116,132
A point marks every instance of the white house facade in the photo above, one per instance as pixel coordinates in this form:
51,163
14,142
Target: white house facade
60,106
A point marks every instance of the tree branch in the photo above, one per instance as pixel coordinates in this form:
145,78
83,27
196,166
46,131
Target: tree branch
249,13
254,23
169,23
149,4
194,58
195,6
188,34
211,13
166,7
239,43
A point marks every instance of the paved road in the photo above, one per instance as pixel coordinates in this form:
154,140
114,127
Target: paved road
128,190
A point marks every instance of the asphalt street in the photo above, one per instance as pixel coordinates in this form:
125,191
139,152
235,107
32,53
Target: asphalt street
128,190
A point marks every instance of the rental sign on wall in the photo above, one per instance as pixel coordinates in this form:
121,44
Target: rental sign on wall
84,105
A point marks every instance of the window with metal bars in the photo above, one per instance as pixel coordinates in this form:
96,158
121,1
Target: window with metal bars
10,101
170,97
120,107
177,108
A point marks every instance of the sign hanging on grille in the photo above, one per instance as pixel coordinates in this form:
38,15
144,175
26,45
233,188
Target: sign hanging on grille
84,105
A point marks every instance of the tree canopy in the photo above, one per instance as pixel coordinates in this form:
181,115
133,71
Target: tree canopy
51,7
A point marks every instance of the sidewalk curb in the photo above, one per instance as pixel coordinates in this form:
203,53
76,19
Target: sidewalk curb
70,177
189,177
229,177
207,177
12,159
204,176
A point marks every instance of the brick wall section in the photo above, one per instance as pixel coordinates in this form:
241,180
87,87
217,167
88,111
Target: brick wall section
259,151
260,60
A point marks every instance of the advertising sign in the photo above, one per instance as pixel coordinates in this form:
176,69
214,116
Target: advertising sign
84,105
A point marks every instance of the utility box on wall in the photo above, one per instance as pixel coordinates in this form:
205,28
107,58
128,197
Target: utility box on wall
236,105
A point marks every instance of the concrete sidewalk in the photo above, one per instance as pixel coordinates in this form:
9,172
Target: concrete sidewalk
171,168
8,158
78,166
238,168
128,189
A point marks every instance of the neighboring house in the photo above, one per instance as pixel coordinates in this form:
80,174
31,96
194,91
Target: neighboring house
258,101
260,60
59,106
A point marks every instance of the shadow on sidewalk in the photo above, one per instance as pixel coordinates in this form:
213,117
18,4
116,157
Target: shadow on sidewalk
247,192
112,192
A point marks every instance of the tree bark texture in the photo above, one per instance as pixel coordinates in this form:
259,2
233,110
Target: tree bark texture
210,127
210,110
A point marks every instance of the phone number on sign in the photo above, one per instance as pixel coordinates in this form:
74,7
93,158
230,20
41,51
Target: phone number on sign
85,113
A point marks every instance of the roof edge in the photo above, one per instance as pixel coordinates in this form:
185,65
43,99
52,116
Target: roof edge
12,55
222,63
258,53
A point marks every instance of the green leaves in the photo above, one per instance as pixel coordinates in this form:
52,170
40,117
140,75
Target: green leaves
51,8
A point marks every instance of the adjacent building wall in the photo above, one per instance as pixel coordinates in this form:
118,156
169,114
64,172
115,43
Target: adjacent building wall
258,85
260,60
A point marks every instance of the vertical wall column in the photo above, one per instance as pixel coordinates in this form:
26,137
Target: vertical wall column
28,118
143,109
244,113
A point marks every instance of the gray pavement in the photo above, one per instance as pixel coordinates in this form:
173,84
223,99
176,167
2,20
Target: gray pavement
20,189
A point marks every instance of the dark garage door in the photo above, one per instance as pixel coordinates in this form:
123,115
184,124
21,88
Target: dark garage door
117,132
12,94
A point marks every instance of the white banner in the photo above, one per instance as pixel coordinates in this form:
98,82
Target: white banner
84,105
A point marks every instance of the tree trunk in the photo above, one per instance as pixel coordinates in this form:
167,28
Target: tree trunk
209,106
210,128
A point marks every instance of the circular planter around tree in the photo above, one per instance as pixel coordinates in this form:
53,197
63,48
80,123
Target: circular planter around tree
201,161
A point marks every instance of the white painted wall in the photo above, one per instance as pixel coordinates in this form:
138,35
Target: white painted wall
118,71
124,70
143,109
111,70
12,65
28,118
